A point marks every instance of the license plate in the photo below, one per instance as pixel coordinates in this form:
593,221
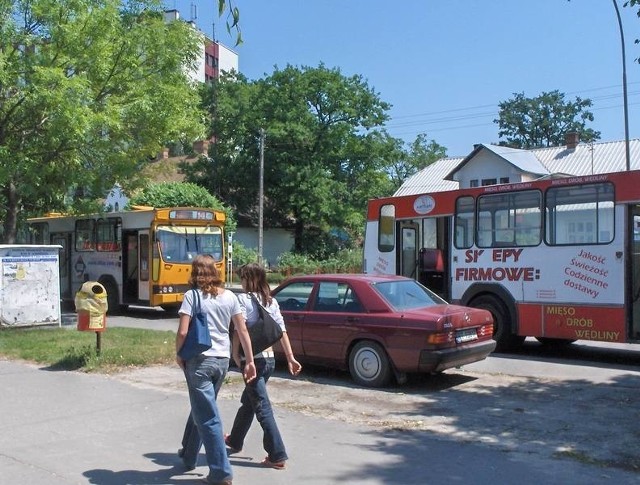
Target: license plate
466,335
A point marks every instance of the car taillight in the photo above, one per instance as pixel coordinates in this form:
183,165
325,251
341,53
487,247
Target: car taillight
440,338
485,330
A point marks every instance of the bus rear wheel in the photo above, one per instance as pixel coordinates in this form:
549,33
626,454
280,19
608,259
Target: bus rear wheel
502,332
557,343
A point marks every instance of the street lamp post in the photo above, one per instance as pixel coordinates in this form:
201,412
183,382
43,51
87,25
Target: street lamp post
624,89
261,198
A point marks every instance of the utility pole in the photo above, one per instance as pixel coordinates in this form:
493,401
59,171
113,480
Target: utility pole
261,196
624,89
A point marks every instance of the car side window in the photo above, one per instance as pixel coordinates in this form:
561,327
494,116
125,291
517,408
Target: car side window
350,301
294,296
336,297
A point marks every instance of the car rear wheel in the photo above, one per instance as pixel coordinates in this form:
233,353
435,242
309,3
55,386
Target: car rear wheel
369,365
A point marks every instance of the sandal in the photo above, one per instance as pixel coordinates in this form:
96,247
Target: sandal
277,465
230,449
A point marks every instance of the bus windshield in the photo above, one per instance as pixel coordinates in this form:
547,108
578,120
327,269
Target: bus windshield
180,244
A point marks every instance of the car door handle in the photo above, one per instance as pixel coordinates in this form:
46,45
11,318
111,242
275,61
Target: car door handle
353,319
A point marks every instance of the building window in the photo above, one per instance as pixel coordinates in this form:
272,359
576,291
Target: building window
473,183
504,180
489,181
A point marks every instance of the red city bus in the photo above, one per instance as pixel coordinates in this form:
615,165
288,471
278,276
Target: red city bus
557,259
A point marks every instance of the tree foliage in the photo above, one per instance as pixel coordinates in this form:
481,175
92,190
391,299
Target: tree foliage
89,89
421,153
232,18
632,4
180,194
544,120
325,153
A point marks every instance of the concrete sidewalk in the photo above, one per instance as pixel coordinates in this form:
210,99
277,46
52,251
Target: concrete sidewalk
59,427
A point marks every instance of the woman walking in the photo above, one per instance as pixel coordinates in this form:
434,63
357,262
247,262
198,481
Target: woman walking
255,400
205,372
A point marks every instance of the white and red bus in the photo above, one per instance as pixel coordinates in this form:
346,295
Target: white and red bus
557,258
141,257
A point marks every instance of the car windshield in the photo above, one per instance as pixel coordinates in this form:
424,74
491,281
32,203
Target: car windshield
407,294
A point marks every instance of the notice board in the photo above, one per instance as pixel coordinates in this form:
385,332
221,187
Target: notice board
30,285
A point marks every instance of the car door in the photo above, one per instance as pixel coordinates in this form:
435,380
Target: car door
293,300
332,322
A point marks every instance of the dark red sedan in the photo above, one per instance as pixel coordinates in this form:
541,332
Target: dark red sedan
380,327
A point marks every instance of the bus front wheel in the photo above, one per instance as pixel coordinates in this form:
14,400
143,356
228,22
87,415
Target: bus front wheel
502,332
113,300
171,308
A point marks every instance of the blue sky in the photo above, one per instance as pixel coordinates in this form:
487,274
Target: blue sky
444,65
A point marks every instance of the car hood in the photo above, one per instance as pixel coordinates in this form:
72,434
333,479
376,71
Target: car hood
450,316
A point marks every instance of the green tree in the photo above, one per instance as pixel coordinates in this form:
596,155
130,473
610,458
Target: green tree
630,4
543,121
325,152
89,89
421,153
180,194
232,19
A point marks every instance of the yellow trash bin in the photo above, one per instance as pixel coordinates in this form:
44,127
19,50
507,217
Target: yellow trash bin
91,306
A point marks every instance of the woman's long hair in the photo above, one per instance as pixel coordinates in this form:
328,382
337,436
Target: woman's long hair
204,274
254,279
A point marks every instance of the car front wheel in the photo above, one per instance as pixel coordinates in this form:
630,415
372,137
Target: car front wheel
369,364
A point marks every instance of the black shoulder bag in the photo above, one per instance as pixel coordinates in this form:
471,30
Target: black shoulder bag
265,332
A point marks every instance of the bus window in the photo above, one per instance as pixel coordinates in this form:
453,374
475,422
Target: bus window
464,222
85,235
386,225
580,215
38,233
109,234
429,233
510,219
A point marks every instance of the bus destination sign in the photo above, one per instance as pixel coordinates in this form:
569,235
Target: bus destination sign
191,214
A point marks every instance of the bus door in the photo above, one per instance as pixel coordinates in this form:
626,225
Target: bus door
64,239
130,267
135,267
408,248
433,267
634,273
144,265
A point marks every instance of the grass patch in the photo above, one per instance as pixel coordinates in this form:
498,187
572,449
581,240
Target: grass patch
69,349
